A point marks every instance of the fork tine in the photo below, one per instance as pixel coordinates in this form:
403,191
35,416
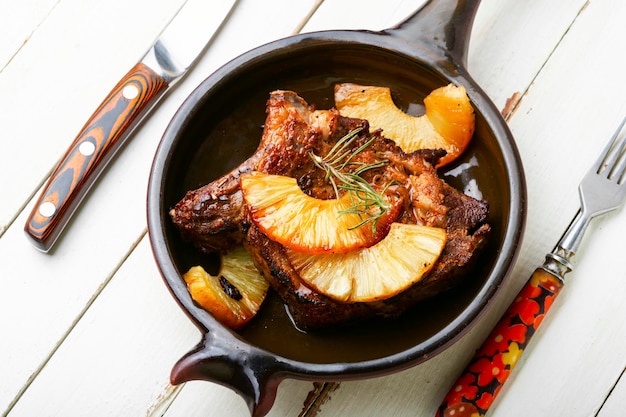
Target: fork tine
619,162
601,190
619,172
613,154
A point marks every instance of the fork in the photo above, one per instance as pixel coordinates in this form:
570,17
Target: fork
602,189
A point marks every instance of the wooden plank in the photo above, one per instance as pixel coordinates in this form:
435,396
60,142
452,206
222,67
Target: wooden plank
350,14
117,359
116,347
614,405
511,41
499,33
203,399
20,20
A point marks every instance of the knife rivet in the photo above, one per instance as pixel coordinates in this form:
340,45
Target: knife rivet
130,92
86,148
47,209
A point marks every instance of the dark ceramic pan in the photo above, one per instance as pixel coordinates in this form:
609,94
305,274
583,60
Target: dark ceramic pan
219,126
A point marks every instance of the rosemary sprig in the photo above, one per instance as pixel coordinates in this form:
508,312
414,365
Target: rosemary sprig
367,203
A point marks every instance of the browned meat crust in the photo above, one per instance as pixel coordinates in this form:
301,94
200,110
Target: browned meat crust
214,217
312,310
211,216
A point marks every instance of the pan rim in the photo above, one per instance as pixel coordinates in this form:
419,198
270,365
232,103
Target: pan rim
439,341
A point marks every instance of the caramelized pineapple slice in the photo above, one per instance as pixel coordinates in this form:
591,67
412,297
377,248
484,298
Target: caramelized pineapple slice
285,214
376,273
235,294
448,123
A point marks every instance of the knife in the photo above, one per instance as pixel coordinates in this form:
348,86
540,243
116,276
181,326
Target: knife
169,58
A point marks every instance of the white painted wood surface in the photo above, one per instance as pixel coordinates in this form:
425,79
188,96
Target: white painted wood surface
89,329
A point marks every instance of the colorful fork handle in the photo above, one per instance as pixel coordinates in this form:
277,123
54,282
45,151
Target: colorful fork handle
93,148
479,384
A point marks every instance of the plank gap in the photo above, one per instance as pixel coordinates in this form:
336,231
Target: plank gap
165,401
78,318
608,395
317,397
511,107
28,37
306,18
31,196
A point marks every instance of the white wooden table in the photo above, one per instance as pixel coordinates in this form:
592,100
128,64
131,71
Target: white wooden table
89,329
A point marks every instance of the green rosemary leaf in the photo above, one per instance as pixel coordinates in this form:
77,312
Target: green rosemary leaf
367,203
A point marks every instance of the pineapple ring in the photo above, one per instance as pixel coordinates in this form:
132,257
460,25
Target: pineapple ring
376,273
235,294
448,124
285,214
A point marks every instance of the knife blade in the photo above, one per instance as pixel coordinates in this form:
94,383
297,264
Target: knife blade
165,63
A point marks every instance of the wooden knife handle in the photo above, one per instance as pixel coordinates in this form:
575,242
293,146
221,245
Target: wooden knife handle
479,384
93,148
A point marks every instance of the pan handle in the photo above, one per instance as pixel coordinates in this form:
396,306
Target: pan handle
442,27
253,375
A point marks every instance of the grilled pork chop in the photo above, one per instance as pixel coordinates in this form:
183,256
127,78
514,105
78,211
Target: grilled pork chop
214,217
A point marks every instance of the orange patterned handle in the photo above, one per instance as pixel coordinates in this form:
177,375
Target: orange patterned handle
479,384
91,151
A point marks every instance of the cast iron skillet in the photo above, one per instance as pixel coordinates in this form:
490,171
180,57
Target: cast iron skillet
219,126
